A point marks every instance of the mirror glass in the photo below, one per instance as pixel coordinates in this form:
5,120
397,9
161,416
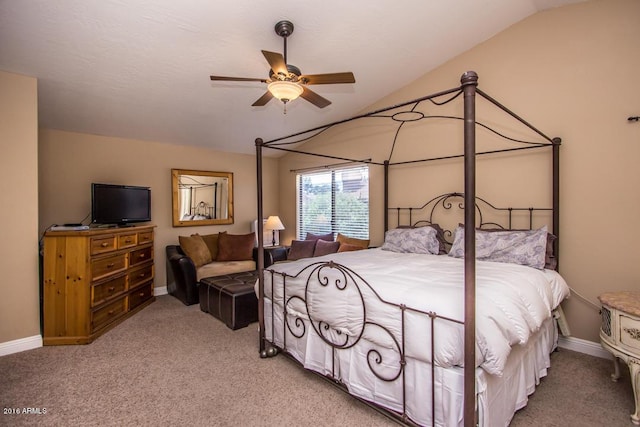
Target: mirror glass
201,197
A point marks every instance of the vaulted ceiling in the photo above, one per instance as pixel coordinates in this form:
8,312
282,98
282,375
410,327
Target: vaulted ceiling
140,68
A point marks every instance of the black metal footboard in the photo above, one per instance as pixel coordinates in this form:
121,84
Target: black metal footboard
329,308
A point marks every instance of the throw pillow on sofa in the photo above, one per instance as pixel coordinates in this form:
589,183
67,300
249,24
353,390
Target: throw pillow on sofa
363,243
345,247
301,249
325,248
235,247
196,249
326,237
212,243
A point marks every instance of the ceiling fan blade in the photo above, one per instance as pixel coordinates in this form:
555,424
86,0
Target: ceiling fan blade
237,79
314,98
276,62
263,99
326,79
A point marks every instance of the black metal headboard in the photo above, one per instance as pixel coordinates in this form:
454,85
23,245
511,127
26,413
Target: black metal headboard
487,215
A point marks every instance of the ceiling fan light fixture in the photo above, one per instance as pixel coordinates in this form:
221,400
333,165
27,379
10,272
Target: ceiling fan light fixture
285,90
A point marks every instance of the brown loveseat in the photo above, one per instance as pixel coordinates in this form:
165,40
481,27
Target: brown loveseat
210,255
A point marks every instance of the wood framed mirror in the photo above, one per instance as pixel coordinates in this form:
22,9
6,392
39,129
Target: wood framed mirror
201,197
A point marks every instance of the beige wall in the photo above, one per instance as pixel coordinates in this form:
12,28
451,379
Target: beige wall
19,305
70,162
571,72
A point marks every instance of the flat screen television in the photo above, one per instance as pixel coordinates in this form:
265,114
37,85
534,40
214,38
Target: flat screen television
120,204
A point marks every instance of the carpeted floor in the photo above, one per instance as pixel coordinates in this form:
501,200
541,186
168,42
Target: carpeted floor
172,365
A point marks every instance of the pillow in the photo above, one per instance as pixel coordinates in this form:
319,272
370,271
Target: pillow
195,248
524,247
211,240
301,249
327,237
550,261
345,247
235,247
324,248
363,243
421,240
439,235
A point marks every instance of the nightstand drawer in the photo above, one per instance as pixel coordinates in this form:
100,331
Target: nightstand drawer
630,332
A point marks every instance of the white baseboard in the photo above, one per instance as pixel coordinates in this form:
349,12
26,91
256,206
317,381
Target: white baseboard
22,344
583,346
160,291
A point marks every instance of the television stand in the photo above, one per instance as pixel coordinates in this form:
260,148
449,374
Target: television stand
93,280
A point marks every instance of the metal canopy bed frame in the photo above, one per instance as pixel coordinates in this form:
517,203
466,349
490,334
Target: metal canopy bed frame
469,89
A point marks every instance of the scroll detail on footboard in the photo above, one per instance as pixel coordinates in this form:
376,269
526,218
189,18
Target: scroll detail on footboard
327,317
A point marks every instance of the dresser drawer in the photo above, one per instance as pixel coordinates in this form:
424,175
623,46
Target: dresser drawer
103,291
145,237
140,295
140,275
141,255
103,244
127,240
103,267
107,314
630,332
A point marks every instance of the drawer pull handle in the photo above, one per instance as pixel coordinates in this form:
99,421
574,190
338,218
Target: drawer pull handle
128,241
110,312
142,275
141,294
112,288
141,256
104,244
110,265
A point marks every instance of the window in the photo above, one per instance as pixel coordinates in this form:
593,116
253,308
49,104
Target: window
334,201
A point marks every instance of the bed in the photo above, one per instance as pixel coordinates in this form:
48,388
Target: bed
450,337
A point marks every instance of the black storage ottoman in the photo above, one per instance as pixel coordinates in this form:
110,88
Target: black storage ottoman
230,298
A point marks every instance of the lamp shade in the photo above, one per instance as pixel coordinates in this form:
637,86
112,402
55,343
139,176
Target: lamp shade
273,223
285,90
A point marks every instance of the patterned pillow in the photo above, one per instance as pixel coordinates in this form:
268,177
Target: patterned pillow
442,241
422,240
524,247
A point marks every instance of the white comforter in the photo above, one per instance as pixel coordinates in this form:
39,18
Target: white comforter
512,301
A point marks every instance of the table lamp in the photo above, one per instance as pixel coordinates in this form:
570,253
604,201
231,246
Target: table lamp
273,223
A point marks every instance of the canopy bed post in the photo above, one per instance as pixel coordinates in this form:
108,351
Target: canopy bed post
260,266
386,195
469,82
556,194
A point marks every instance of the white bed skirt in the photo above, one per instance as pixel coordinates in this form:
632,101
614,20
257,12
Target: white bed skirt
498,397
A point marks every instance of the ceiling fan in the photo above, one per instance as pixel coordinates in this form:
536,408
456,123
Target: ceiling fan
286,82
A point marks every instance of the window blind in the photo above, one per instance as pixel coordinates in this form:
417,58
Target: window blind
335,201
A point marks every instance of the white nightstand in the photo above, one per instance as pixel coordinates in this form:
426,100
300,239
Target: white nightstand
620,335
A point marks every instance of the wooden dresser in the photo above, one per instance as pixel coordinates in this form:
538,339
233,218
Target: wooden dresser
93,280
620,335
